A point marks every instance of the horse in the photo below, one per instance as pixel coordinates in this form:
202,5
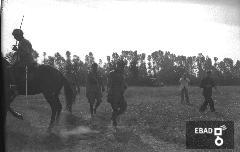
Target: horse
42,79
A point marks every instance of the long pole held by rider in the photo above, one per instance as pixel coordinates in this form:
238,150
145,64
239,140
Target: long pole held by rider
26,68
20,29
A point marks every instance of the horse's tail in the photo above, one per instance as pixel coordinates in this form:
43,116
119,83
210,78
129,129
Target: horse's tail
69,94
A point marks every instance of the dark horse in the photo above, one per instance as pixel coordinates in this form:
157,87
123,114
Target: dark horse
42,79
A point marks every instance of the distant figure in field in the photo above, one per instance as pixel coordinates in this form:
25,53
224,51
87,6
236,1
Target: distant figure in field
207,84
94,88
116,88
184,85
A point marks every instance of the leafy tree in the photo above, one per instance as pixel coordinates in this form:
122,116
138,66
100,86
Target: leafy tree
68,66
141,69
35,55
59,62
89,60
200,65
149,58
50,61
236,69
44,57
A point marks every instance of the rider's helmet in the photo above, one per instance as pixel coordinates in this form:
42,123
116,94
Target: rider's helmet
17,32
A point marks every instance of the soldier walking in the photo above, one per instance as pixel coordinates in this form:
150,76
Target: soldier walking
94,88
184,85
207,84
116,88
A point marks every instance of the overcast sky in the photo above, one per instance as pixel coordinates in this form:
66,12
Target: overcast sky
182,27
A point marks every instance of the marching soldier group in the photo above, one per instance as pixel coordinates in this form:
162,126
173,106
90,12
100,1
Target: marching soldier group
116,81
116,87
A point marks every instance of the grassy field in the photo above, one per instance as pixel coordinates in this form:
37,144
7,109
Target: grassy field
154,121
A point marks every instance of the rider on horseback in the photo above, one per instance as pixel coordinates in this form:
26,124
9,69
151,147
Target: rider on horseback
23,54
24,49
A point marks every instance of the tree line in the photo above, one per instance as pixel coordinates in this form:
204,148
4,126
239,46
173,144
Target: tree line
155,69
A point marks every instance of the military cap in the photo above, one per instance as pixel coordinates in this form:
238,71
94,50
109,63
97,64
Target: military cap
18,32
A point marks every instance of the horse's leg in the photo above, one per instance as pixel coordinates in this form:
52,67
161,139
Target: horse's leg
59,109
10,99
52,101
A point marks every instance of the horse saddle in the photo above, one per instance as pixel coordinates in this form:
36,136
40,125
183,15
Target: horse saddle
21,73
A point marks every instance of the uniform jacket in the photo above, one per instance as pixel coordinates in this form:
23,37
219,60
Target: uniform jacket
94,82
25,52
116,82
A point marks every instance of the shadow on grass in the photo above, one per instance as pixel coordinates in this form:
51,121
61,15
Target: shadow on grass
21,135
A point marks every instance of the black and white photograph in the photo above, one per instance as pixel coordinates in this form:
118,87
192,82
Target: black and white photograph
120,75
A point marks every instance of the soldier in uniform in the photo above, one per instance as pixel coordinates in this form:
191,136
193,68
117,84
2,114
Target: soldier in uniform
94,88
207,84
24,49
116,89
24,56
184,86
